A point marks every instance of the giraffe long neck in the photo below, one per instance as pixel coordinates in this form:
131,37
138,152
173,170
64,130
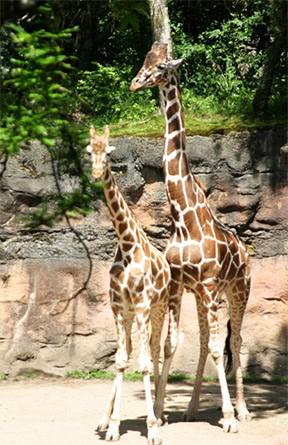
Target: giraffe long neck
182,187
123,219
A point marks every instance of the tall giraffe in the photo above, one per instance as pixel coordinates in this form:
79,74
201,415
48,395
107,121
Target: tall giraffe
139,286
205,257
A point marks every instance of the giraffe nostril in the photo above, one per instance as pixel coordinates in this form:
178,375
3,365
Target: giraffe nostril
135,84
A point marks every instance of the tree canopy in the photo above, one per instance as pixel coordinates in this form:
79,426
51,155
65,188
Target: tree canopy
65,64
228,47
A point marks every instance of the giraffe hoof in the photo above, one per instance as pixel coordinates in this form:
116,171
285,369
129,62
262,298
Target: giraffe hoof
103,424
161,421
112,436
155,441
188,417
230,426
153,436
244,416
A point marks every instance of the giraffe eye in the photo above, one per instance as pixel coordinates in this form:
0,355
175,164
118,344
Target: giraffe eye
161,67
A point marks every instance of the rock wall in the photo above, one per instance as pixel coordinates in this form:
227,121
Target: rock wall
43,328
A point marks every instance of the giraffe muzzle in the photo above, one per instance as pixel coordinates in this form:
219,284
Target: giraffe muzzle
97,172
136,84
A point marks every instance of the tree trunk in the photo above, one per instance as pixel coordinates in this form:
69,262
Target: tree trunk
161,33
260,101
160,23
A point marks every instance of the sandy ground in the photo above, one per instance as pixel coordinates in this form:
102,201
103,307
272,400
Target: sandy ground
60,411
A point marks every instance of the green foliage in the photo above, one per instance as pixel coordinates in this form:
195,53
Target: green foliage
223,63
3,377
224,45
100,374
38,104
36,77
129,12
107,90
30,374
228,84
261,380
208,119
176,377
180,377
88,375
129,376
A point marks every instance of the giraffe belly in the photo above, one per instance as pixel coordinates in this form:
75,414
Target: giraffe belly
181,254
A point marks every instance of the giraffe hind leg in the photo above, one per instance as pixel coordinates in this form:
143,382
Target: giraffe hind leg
229,422
157,321
227,350
236,318
169,348
145,368
191,412
209,313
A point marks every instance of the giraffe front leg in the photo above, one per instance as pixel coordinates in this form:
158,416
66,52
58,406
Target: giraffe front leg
123,325
114,423
153,436
152,427
105,419
145,368
113,433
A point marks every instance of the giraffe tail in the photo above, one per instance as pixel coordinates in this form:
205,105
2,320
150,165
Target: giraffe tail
227,350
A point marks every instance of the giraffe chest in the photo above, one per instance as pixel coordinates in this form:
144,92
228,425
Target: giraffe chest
135,282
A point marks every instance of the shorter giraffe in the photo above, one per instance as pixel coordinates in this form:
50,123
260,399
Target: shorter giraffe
139,286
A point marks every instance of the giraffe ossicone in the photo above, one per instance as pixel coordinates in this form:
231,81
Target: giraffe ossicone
139,288
205,257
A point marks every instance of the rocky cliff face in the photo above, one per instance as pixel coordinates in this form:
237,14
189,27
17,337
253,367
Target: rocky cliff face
43,328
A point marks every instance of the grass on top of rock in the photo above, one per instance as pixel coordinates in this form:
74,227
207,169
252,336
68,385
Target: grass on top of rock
174,377
202,117
135,376
129,376
155,127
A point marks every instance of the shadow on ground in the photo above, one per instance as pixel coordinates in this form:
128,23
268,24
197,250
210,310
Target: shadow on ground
263,401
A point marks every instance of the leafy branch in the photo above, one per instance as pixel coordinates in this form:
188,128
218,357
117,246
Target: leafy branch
40,107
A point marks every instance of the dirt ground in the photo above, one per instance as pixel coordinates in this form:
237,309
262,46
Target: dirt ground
60,411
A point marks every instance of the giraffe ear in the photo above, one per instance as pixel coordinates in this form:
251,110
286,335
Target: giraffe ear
106,132
175,63
155,46
109,149
92,131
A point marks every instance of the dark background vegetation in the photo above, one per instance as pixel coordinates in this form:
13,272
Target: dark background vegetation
66,64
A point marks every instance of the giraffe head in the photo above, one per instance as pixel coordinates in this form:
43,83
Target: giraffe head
99,149
156,68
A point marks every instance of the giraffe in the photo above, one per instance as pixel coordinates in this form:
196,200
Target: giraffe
139,287
205,257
